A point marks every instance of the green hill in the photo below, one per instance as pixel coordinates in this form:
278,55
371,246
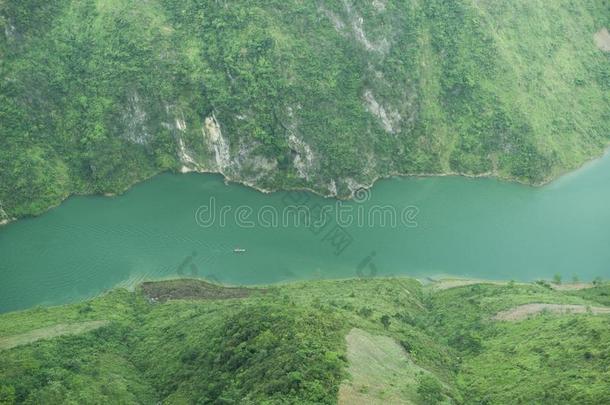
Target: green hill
353,341
329,95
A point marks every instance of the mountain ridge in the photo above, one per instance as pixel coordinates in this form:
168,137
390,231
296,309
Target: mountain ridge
327,96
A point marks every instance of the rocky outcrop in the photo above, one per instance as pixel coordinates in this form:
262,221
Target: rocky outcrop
352,25
134,119
216,144
389,118
4,218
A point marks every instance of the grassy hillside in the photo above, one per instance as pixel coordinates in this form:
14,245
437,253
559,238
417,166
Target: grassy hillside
373,340
96,95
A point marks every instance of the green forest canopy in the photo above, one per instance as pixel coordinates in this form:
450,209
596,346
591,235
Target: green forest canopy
93,94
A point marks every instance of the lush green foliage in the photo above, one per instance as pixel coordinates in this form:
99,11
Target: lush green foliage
600,293
286,345
95,95
430,390
259,353
542,359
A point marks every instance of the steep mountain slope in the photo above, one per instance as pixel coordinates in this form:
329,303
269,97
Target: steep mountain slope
329,95
368,340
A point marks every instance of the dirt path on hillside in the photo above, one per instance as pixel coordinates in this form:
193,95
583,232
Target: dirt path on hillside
49,332
524,311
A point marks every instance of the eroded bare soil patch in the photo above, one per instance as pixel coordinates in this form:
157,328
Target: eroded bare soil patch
602,39
523,311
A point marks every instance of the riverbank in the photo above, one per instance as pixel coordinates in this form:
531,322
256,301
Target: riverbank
354,186
478,228
357,339
162,289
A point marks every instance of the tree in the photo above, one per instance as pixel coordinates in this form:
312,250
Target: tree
365,312
466,341
430,389
7,394
557,278
385,320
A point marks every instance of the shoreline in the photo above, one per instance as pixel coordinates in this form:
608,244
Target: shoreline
487,175
7,221
229,179
435,283
493,175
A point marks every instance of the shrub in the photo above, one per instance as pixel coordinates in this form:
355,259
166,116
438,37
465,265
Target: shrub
430,389
385,320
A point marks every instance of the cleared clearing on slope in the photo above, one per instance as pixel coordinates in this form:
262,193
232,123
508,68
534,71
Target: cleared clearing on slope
381,371
602,40
524,311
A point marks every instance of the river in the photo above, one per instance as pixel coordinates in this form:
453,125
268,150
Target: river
190,225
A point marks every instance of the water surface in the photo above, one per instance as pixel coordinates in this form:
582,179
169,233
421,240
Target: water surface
467,227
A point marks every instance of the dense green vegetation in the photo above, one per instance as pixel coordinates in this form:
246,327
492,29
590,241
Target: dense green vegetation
96,95
285,344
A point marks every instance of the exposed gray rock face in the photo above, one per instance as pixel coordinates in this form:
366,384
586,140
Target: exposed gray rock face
389,118
304,160
217,144
135,120
353,25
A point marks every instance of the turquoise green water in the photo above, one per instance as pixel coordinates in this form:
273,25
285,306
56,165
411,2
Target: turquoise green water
466,227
